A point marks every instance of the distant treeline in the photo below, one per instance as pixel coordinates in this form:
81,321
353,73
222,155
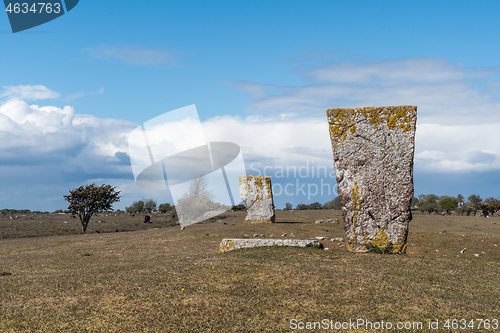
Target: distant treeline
333,204
433,203
20,211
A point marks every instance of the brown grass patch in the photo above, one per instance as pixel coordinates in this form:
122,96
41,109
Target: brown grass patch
172,280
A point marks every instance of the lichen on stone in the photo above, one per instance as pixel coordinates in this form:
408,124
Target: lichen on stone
342,120
373,150
256,192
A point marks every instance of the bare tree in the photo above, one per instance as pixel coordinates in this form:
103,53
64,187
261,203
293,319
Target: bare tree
199,189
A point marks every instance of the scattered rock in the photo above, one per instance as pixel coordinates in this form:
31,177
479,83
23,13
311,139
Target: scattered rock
182,228
338,239
255,235
326,249
293,235
332,221
320,238
283,235
463,250
319,221
256,192
476,254
245,235
373,152
262,235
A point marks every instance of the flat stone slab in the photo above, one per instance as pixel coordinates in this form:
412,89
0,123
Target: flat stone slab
229,244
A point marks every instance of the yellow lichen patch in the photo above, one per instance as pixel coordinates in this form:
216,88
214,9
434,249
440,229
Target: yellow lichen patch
356,194
380,239
382,244
403,117
257,221
226,246
342,121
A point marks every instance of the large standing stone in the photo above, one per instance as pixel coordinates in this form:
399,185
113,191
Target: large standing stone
373,151
256,192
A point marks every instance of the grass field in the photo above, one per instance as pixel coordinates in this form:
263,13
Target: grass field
172,280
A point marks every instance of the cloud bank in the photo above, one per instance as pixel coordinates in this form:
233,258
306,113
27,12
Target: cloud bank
445,92
54,149
458,106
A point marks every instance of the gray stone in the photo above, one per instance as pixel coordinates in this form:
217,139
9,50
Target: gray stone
229,244
332,221
338,239
373,152
293,235
256,192
319,221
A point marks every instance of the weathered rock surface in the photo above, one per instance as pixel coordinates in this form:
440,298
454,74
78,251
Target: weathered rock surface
373,150
229,244
256,192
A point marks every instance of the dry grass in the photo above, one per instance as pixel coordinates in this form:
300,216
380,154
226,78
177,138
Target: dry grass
62,224
168,280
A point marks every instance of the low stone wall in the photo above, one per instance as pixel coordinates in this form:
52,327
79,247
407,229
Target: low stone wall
229,244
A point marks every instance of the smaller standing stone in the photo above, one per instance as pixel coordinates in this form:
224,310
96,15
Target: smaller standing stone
256,192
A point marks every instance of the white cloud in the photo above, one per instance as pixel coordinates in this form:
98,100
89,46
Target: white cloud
29,92
132,55
53,143
83,94
32,134
287,142
445,92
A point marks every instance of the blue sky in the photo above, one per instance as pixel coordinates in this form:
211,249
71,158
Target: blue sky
261,73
